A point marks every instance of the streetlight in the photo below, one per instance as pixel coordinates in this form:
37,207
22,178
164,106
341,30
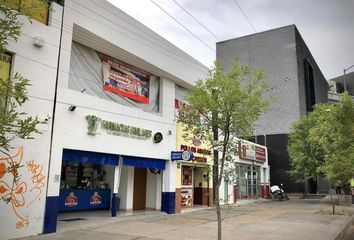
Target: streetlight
345,85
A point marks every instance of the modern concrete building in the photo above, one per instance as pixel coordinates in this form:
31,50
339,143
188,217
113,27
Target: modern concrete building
295,80
336,86
104,86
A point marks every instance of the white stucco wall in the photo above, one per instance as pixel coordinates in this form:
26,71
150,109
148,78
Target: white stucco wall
23,215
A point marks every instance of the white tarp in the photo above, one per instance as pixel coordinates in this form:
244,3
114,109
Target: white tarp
86,72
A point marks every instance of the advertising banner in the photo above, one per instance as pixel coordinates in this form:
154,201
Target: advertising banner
187,197
250,151
126,81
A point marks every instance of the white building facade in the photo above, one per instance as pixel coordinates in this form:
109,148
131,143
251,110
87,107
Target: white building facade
248,176
104,86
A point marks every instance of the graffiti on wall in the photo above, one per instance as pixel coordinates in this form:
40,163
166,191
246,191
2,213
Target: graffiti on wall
21,184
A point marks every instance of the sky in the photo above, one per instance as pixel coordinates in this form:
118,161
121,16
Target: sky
327,26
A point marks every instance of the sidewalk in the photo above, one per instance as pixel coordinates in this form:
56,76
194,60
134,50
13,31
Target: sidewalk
248,219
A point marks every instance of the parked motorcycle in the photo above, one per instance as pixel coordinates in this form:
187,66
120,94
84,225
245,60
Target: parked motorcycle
278,193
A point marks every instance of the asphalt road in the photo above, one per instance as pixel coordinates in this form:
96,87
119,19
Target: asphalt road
288,220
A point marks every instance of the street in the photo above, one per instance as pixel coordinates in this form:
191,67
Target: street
287,220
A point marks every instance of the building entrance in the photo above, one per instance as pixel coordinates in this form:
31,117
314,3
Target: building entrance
139,196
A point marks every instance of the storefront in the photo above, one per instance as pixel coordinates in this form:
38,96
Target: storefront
194,177
97,181
89,181
86,180
253,171
250,177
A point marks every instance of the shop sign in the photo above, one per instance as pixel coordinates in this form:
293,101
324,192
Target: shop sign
196,150
117,129
182,155
250,151
71,200
95,199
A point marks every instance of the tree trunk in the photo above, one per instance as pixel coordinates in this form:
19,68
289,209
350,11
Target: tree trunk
218,212
330,190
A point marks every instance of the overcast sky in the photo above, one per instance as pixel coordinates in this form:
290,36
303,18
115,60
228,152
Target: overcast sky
327,26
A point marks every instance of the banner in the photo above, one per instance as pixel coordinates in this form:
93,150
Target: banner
126,81
250,151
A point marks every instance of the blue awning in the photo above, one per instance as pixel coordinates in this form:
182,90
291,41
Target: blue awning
144,162
70,155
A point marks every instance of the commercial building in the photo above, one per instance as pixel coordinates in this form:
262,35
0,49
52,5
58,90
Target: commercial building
194,178
295,81
249,177
104,86
336,86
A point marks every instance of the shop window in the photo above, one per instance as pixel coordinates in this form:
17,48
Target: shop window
37,9
187,176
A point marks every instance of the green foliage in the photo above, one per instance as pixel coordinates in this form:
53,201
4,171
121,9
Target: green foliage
323,142
10,26
13,92
229,101
14,123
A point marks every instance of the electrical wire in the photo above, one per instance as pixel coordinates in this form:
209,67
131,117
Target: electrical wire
244,14
195,19
184,27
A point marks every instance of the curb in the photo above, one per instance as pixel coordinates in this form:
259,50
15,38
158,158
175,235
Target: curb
345,228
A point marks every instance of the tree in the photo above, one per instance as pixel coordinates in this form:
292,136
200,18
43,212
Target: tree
230,102
14,123
323,143
305,155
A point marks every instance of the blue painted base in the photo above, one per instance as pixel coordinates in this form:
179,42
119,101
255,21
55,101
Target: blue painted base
168,202
50,216
115,204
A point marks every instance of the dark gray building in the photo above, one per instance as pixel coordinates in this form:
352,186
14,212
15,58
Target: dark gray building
295,80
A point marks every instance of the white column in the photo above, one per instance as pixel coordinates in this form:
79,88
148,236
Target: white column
169,177
117,175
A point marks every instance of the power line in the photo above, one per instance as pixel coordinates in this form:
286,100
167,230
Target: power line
196,20
254,29
244,14
184,27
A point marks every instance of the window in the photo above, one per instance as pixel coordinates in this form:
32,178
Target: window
309,86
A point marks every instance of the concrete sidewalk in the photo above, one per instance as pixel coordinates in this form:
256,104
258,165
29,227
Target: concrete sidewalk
287,220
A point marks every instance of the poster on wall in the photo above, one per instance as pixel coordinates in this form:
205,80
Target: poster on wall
187,178
187,197
126,81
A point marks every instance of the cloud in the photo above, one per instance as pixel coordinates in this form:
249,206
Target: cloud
327,26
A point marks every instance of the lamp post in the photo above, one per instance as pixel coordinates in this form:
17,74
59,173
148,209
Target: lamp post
346,69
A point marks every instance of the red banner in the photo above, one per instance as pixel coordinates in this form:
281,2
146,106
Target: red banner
126,81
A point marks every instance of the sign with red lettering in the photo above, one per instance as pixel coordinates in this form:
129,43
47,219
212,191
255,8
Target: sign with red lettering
250,151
